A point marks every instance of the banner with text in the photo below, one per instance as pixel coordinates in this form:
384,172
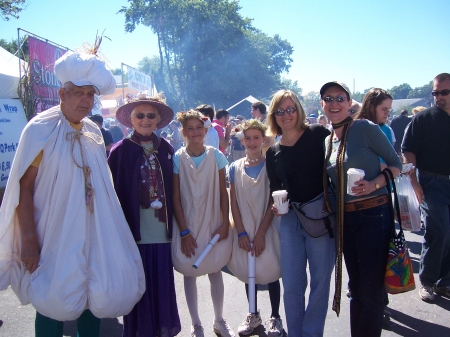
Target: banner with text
12,122
139,81
42,60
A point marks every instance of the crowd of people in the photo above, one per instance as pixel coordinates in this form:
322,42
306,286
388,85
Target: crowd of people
80,245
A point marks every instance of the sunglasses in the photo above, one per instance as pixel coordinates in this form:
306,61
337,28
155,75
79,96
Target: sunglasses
141,115
280,112
351,111
339,99
444,92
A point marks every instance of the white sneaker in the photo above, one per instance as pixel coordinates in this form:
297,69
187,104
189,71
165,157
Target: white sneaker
250,322
197,331
426,293
275,327
222,328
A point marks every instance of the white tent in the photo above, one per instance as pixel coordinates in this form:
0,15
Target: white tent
9,74
250,99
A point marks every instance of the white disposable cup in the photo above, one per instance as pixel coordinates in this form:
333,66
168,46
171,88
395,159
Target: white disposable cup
281,201
353,175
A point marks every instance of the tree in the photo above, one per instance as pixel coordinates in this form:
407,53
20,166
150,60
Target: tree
11,8
311,102
288,84
423,92
208,52
400,91
12,47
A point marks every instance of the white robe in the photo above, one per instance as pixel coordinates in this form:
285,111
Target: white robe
88,260
200,198
252,198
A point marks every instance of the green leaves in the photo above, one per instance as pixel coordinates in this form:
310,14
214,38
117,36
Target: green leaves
208,52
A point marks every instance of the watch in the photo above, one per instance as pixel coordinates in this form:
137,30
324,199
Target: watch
377,186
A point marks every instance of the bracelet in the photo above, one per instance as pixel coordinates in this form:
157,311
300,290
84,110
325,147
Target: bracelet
185,232
242,234
185,236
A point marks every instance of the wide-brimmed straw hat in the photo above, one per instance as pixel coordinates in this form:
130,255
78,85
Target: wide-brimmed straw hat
123,114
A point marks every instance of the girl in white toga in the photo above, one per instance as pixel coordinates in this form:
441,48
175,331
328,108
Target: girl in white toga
253,223
200,202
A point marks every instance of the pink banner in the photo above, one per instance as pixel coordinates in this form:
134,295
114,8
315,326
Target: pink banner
42,60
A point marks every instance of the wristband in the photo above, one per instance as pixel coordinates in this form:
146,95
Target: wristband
185,236
242,234
185,232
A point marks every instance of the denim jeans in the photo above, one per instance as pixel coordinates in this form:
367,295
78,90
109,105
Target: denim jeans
366,247
435,208
297,248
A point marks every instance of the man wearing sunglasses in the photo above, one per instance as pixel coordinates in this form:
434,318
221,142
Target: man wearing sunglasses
427,146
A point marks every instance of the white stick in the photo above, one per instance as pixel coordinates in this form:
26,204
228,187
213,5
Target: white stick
251,282
206,251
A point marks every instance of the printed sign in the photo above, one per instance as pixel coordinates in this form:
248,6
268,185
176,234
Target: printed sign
139,81
42,60
12,122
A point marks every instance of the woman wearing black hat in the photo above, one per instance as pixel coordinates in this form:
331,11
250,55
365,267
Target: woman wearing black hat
363,214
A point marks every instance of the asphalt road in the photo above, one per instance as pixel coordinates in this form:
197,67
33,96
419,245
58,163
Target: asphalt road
410,315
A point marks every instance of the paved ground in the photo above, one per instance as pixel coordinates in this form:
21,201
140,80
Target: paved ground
410,316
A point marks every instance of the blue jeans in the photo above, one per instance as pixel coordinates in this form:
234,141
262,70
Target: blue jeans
297,247
435,208
366,247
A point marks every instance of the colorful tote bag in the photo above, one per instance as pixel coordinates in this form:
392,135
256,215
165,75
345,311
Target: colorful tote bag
399,277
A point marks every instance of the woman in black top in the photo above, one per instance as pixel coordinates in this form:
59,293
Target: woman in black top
296,164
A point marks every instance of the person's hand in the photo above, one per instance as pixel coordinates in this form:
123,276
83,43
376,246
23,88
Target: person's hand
244,243
222,231
413,170
259,244
228,129
417,190
30,254
275,210
363,187
188,246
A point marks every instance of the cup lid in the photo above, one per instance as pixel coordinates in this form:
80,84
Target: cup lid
280,192
356,171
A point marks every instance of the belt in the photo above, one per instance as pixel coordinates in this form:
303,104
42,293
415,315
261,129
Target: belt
437,175
367,203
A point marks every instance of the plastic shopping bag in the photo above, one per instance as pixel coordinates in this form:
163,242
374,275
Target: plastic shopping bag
409,206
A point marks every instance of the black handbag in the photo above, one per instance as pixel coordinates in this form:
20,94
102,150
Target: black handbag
314,217
313,214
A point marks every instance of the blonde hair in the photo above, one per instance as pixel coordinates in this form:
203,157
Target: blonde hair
277,99
251,124
183,117
418,109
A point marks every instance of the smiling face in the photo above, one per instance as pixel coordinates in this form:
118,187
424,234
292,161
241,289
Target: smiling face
145,126
382,111
253,141
76,102
194,130
334,110
287,121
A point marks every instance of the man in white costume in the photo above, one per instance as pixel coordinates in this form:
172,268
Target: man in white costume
65,246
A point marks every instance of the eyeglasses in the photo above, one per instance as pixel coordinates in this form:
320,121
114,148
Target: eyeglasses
351,111
444,92
141,115
339,99
280,112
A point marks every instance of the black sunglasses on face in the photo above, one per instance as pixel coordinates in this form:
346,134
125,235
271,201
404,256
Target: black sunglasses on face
444,92
280,112
339,99
141,115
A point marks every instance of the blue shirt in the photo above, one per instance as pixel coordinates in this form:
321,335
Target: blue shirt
252,172
220,160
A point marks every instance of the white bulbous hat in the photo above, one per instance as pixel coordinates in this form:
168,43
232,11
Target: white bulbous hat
85,69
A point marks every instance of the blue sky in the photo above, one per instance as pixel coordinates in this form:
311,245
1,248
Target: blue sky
374,43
